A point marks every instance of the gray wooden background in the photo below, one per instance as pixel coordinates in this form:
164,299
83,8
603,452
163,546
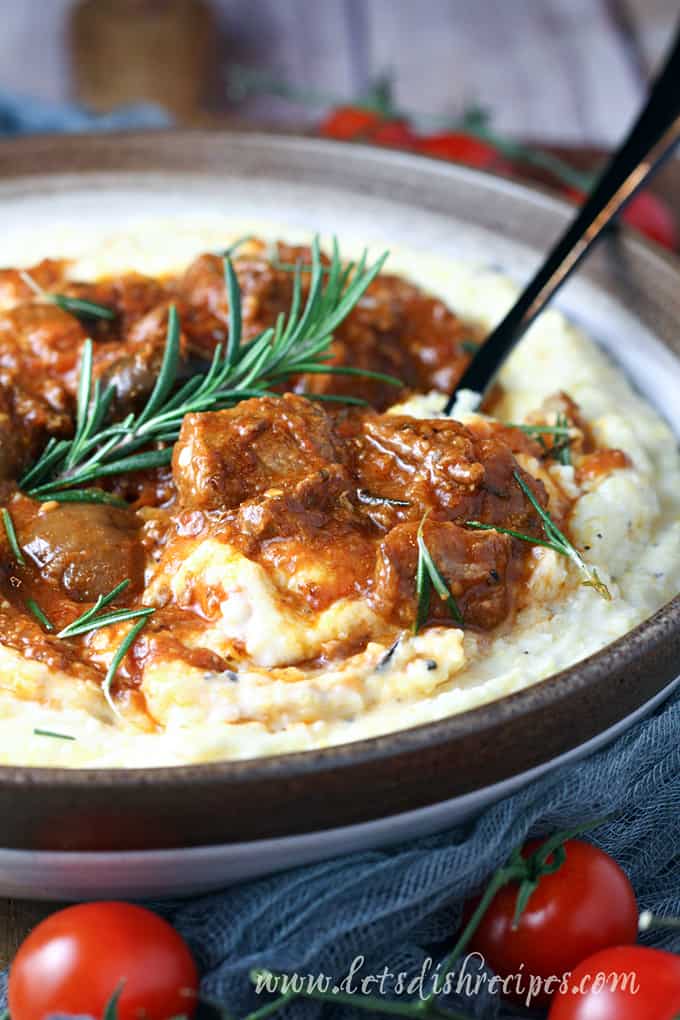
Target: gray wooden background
569,71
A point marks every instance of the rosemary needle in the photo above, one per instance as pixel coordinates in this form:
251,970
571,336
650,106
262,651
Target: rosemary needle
554,539
121,652
80,307
40,616
52,733
12,537
94,619
232,248
428,577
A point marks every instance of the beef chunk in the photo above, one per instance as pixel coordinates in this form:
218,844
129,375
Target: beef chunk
225,457
474,565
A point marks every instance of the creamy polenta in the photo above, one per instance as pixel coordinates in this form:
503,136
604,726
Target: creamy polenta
274,564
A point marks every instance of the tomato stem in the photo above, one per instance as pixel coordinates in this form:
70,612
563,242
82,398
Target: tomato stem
272,1007
649,921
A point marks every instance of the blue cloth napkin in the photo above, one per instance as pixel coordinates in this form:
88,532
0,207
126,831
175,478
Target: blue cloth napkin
396,908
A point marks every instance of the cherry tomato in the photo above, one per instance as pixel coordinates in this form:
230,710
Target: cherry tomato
459,147
396,133
651,216
74,961
636,984
584,906
646,213
348,122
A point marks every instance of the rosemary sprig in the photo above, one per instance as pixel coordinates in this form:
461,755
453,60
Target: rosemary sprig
427,578
80,307
555,539
52,733
124,647
94,619
33,606
540,430
561,448
232,248
296,345
12,537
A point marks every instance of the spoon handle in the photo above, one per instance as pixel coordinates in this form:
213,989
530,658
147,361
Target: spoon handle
651,139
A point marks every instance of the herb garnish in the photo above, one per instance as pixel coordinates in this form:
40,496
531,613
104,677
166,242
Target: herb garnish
80,307
364,496
39,615
561,448
52,733
121,652
296,345
234,246
12,537
427,578
93,619
555,539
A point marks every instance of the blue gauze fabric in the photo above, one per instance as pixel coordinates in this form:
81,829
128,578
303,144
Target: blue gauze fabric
21,115
396,907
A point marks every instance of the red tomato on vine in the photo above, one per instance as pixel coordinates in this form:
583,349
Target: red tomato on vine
76,959
623,983
584,906
646,213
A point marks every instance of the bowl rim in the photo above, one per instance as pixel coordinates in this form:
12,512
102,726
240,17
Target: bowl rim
47,156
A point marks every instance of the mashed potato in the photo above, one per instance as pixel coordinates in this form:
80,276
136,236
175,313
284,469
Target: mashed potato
626,522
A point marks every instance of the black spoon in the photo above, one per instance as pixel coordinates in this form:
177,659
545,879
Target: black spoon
655,133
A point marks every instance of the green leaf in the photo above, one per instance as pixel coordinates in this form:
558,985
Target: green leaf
561,543
427,567
235,323
101,603
231,249
122,651
83,496
34,608
168,371
12,537
81,308
52,733
480,526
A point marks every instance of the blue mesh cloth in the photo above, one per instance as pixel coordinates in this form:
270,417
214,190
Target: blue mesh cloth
399,906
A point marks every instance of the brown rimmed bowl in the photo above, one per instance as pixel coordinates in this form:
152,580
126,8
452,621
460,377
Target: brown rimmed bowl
628,296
